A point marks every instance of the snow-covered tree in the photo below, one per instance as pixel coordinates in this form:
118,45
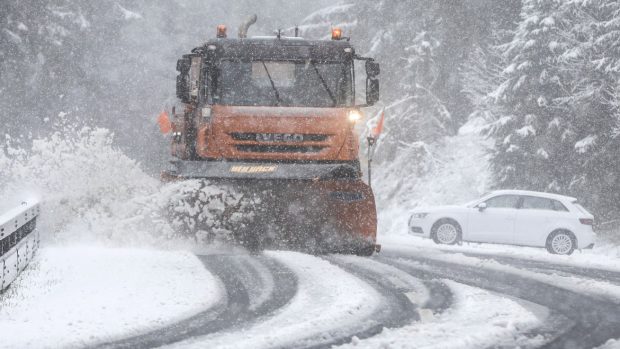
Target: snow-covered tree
422,46
558,102
594,62
534,131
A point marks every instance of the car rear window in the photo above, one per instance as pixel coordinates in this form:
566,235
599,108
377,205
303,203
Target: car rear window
558,206
536,203
581,208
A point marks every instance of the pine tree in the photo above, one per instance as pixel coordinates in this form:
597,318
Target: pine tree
534,131
558,129
594,62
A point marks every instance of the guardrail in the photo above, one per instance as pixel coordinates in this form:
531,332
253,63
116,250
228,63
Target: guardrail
19,241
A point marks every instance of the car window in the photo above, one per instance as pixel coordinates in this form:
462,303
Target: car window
536,203
581,208
558,206
503,201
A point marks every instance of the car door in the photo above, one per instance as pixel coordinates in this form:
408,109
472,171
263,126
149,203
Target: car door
534,219
496,222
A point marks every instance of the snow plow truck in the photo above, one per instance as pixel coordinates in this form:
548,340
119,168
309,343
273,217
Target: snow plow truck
274,118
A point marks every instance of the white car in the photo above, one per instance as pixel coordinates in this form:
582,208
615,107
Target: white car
514,217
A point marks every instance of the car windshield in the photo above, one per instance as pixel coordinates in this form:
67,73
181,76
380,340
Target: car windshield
289,84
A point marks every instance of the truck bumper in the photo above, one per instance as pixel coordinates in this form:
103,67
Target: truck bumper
260,170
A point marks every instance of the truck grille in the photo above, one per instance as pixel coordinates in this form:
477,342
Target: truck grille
251,148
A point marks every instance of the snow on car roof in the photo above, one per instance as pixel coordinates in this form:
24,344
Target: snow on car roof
534,193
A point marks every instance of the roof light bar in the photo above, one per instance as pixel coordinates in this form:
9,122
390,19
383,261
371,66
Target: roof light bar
221,31
336,33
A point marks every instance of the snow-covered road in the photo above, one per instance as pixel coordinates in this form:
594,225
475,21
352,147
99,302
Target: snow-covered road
405,297
79,296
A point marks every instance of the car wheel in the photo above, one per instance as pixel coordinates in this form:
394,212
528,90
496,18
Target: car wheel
561,242
446,231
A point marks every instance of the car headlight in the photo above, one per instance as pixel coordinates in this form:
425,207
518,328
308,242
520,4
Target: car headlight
419,215
355,116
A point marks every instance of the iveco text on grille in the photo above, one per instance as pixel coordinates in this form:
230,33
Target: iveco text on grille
279,137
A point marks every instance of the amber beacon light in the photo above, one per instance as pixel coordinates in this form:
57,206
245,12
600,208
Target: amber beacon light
221,31
336,33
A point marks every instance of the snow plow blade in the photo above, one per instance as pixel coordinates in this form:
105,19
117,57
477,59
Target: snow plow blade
318,208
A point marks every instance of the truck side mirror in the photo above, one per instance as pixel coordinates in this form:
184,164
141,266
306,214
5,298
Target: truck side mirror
183,88
372,82
372,91
372,69
184,64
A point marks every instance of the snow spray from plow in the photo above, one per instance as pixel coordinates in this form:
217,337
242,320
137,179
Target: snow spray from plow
19,240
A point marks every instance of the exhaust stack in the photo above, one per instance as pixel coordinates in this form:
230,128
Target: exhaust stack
243,29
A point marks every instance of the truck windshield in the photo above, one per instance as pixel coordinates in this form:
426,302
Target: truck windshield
289,84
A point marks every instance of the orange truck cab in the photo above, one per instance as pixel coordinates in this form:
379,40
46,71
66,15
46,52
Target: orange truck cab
279,112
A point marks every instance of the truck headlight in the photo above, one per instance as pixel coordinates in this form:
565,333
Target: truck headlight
419,215
355,116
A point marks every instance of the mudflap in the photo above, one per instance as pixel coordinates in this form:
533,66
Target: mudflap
314,216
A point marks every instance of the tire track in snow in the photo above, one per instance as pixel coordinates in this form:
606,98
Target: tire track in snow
402,294
423,295
255,286
330,306
441,313
592,319
554,324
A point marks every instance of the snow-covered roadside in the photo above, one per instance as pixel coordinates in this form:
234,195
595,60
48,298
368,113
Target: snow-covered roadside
611,344
477,319
71,297
329,303
578,284
606,257
91,192
457,173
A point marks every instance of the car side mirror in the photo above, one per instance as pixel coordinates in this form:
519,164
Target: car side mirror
482,206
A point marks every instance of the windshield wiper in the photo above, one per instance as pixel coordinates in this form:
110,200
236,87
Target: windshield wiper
331,95
273,85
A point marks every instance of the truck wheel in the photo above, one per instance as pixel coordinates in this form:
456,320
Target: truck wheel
365,251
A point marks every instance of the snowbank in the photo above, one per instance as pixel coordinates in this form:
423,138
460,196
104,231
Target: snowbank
611,344
72,172
455,171
577,284
92,192
79,296
605,255
458,172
